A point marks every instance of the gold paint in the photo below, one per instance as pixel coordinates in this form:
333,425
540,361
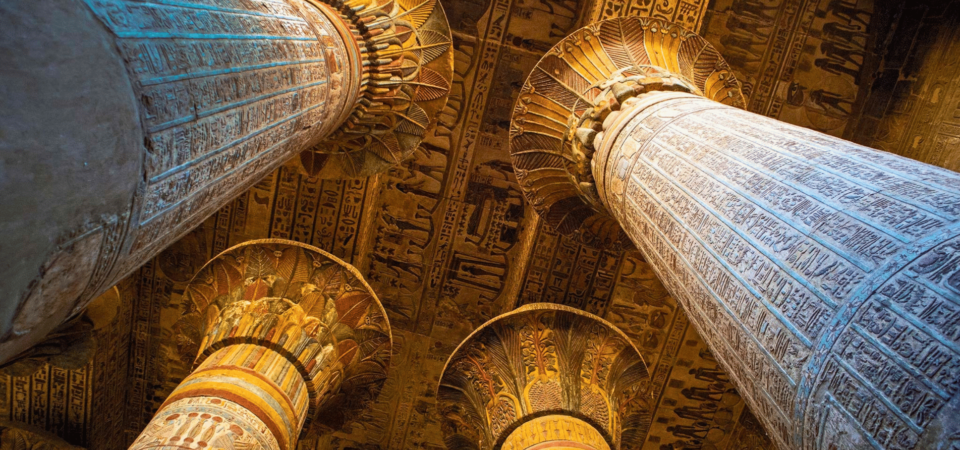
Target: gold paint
251,299
407,49
558,360
597,59
555,432
544,266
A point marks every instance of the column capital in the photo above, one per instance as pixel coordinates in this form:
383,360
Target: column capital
404,81
310,307
577,89
544,361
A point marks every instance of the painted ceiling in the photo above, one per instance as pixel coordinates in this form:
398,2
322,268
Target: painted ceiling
448,243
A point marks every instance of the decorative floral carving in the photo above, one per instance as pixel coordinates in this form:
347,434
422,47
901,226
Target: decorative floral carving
577,88
407,68
546,359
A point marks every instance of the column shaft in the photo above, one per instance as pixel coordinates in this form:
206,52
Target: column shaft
241,394
127,123
824,275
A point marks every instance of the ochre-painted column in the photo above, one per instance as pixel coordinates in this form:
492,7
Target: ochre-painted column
293,338
544,376
824,275
126,123
555,432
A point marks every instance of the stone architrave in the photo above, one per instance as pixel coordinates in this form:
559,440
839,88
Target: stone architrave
824,275
290,339
73,344
20,436
544,376
126,123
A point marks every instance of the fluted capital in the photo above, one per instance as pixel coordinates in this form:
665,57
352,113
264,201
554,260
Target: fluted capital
544,360
406,76
305,304
573,92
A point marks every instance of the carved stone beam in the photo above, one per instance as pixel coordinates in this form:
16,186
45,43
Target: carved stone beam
126,123
73,344
544,376
20,436
290,338
824,275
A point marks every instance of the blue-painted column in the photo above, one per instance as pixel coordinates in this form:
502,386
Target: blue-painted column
126,123
824,275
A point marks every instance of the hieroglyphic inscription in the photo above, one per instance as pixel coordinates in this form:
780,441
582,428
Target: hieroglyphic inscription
52,399
348,222
488,54
221,233
306,207
565,271
281,222
688,13
146,308
774,237
228,90
325,228
900,353
665,365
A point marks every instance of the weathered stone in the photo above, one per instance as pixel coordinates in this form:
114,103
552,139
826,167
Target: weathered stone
125,124
824,275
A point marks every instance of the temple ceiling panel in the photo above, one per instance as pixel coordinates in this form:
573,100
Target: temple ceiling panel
447,241
798,61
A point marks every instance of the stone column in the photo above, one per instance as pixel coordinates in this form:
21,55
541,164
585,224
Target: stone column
824,275
544,376
290,338
555,432
126,123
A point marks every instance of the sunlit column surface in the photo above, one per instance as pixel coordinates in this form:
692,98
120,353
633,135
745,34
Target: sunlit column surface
290,338
824,275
